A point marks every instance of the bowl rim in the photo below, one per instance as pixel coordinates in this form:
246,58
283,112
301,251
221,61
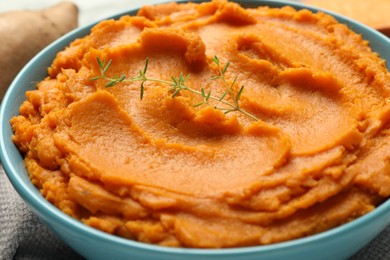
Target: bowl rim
38,202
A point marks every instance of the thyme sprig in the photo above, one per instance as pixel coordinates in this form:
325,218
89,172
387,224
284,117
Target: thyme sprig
178,84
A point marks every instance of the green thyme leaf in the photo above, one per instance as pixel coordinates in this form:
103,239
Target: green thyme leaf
178,84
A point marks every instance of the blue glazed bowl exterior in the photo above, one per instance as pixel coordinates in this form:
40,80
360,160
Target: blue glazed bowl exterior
337,243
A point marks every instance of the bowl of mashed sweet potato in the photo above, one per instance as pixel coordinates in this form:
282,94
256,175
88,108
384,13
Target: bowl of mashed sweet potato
223,130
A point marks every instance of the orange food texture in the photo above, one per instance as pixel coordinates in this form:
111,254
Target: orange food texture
161,170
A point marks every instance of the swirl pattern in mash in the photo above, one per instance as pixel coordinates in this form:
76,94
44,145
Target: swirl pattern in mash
162,171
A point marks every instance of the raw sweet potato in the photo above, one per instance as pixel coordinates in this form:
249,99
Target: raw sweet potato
24,33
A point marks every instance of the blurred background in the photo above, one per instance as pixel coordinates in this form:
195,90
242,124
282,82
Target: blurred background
90,10
371,12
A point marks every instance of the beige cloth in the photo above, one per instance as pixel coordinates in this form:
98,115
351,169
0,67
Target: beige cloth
22,235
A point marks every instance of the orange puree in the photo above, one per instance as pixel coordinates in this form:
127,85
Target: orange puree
161,170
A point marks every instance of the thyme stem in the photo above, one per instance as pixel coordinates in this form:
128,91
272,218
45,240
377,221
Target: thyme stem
178,85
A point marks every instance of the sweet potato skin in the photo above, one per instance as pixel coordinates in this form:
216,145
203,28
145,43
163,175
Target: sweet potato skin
24,33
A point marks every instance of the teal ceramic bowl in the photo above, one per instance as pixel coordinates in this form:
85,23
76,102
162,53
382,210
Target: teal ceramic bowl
337,243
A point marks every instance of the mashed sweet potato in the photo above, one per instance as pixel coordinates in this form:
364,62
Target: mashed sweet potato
164,171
